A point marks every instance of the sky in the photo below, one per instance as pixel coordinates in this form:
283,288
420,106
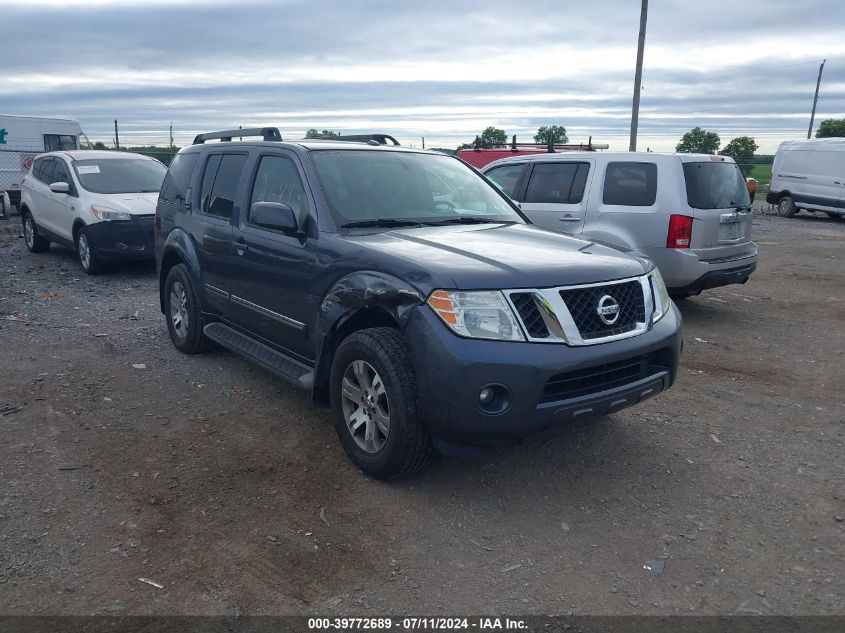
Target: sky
443,70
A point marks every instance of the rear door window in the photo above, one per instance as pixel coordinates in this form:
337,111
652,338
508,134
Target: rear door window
506,176
557,183
715,185
630,184
220,184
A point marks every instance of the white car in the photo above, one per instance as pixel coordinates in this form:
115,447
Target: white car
100,203
690,213
809,175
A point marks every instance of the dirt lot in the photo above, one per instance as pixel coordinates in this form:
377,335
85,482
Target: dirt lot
211,478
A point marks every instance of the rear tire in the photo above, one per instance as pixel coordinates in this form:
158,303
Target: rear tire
786,207
183,312
85,252
34,242
374,405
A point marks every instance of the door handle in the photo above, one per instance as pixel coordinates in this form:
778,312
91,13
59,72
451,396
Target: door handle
241,247
569,218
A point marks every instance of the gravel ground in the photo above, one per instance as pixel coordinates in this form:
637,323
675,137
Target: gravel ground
122,459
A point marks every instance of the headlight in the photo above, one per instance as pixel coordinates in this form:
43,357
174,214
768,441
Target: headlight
478,314
107,214
662,302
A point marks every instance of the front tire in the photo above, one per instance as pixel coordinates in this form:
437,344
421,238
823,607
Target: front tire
85,252
34,242
374,405
183,312
786,207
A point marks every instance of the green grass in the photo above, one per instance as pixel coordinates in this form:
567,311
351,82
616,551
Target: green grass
763,174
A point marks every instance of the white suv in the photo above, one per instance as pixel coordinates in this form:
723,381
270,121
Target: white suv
100,203
690,213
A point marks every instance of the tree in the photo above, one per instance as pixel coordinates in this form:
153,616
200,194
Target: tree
698,141
741,149
315,133
551,134
492,137
830,128
99,145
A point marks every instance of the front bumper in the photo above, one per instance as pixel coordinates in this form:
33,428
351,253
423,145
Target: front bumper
123,239
451,371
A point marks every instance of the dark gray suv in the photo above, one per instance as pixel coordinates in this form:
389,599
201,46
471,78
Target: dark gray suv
403,289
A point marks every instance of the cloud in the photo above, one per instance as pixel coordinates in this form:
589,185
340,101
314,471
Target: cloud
443,70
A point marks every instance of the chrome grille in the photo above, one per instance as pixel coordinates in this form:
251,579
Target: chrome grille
569,314
583,306
530,315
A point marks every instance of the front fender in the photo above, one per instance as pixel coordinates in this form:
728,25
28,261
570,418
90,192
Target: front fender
378,294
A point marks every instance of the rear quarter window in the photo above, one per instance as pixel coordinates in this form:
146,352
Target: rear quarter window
178,178
630,184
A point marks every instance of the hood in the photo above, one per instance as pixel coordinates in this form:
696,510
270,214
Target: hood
132,203
499,257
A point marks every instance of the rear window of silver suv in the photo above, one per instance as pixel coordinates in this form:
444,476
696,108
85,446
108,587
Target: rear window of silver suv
715,185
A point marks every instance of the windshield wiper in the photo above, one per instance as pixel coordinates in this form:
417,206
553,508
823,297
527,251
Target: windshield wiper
379,222
469,220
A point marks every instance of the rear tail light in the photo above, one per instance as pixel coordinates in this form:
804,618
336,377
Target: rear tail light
680,231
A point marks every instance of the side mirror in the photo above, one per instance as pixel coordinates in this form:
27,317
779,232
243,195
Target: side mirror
60,187
273,215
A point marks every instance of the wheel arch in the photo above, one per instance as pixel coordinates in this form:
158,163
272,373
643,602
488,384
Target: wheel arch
178,249
357,302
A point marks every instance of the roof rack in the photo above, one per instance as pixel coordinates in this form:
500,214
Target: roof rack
381,139
549,147
269,134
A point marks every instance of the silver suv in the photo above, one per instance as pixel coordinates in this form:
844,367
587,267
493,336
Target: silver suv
690,213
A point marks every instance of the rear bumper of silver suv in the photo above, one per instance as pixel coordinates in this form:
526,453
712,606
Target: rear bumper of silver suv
691,271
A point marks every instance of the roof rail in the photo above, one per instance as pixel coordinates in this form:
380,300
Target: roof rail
269,134
381,139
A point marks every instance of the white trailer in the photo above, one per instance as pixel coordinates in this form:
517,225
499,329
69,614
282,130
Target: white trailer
24,137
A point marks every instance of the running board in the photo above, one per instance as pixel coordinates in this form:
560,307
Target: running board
262,355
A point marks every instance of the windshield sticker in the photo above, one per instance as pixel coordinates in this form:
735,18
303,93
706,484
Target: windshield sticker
88,169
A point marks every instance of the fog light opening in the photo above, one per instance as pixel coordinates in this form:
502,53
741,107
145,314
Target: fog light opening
494,399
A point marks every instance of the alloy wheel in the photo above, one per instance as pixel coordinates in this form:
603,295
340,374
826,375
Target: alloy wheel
29,232
84,251
179,309
365,406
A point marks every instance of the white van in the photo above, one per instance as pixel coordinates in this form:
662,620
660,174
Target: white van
690,213
24,137
809,175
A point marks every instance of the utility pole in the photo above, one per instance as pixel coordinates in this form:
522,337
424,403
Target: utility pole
423,139
638,79
116,136
171,135
815,99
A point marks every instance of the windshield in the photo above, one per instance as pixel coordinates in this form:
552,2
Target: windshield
382,187
713,185
120,175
